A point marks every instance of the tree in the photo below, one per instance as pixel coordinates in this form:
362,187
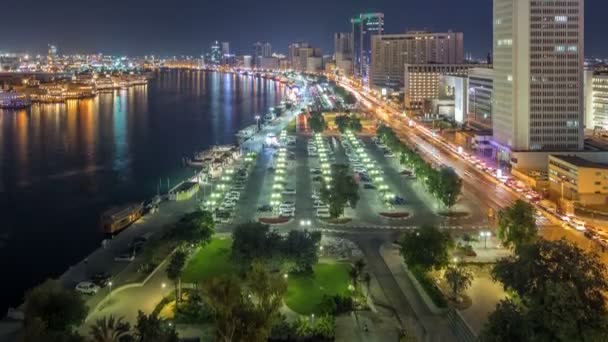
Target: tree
367,280
268,291
561,289
53,307
506,324
317,122
110,329
449,186
224,296
348,123
426,247
325,327
301,247
251,241
35,330
195,227
353,274
342,190
459,278
174,271
517,225
151,328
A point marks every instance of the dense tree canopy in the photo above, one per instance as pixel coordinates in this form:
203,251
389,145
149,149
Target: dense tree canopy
348,123
517,225
195,227
426,248
54,308
342,190
559,294
317,123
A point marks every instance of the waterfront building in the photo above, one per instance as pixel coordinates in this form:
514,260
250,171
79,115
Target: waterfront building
269,63
261,50
301,56
538,75
421,83
227,58
215,56
314,64
247,62
293,53
390,53
363,28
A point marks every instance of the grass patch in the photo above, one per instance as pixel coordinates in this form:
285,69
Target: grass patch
304,292
291,126
213,260
430,287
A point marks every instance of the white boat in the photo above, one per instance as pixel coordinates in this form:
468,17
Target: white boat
247,133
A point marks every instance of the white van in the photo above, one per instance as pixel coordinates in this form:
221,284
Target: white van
323,213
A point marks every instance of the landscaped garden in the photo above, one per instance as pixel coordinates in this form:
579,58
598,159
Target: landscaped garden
305,292
213,260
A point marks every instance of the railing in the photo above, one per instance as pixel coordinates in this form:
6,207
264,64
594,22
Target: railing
459,327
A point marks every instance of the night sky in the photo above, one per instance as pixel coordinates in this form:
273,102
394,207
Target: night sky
168,27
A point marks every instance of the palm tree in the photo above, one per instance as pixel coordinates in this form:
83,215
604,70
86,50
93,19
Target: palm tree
367,279
109,329
353,273
174,271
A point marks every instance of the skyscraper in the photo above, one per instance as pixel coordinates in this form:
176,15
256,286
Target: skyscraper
538,75
343,44
261,50
215,56
363,28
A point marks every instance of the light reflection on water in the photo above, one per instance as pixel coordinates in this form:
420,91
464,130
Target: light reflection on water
63,164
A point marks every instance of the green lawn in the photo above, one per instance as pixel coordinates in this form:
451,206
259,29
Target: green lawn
291,126
304,293
210,261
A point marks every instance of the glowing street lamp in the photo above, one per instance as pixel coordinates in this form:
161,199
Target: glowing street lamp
485,235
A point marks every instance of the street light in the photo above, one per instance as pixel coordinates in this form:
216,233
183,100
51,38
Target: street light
110,285
163,285
485,235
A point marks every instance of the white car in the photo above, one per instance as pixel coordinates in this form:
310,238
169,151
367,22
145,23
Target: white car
319,205
87,287
287,212
127,257
323,213
289,191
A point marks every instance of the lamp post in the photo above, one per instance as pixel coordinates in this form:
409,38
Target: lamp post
257,121
110,294
485,235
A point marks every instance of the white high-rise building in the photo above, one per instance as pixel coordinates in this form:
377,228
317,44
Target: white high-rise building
538,75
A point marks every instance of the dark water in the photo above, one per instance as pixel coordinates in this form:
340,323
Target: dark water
62,165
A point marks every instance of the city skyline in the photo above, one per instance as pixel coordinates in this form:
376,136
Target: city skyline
146,29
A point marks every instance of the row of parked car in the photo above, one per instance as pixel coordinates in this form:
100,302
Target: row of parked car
315,147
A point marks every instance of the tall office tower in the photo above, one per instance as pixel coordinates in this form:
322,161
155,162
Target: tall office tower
261,50
215,56
292,55
343,45
538,74
52,54
390,53
363,28
225,48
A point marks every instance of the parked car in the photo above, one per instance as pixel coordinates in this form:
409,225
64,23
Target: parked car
126,257
319,204
289,191
265,208
368,186
287,212
87,287
100,279
323,213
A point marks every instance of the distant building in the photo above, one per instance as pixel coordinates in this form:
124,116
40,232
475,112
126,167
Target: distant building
301,56
579,180
227,57
596,100
261,50
314,63
343,52
293,53
247,62
390,53
479,92
363,28
538,76
269,63
215,56
421,82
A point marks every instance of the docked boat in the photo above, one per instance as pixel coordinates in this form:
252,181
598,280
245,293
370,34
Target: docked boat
118,218
12,100
246,133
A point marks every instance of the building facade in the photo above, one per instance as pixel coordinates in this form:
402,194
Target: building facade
538,75
261,50
596,100
363,28
479,93
391,52
421,82
579,180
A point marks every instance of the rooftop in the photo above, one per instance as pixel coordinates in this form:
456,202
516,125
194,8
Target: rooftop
580,162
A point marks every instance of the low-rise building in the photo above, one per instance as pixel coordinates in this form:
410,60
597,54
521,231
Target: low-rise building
422,81
578,180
